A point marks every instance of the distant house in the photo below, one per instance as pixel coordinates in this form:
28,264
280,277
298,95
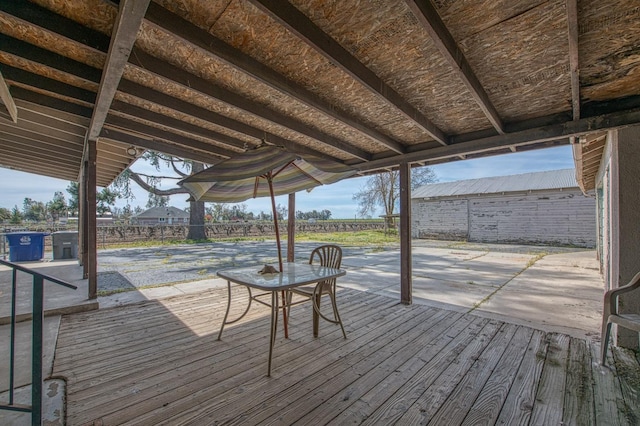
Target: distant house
162,216
533,208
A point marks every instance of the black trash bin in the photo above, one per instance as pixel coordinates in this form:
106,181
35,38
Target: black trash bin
26,246
65,244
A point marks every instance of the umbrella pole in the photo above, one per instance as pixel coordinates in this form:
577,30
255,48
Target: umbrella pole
275,221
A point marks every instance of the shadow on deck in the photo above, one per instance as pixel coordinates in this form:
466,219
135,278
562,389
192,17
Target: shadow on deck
158,362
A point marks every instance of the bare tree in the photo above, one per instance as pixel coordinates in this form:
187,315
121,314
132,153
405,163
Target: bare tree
383,190
182,168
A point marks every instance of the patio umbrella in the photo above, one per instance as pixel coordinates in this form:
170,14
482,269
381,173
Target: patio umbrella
263,171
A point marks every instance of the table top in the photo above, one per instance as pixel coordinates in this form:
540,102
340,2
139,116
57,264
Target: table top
293,275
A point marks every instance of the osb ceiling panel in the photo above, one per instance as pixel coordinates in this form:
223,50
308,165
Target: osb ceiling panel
369,83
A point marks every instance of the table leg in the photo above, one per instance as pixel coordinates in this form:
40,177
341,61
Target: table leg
284,315
226,314
274,327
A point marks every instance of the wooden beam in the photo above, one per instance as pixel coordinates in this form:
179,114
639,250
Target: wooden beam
179,142
428,16
406,271
88,73
7,99
56,157
125,30
574,62
300,25
156,145
205,114
235,125
38,140
50,121
31,80
184,29
180,125
70,91
90,217
556,132
291,228
45,18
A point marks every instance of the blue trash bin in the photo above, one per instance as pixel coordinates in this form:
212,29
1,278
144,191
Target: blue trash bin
26,246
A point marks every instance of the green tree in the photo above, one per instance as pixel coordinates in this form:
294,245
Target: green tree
157,200
34,210
383,190
217,211
16,216
58,206
73,190
5,214
105,199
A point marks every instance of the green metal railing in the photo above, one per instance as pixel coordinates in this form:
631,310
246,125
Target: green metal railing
37,341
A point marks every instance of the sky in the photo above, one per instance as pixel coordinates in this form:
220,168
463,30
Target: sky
338,198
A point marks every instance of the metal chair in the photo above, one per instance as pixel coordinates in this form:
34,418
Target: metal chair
611,315
330,256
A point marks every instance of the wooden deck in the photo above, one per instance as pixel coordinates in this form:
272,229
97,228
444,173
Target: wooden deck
160,363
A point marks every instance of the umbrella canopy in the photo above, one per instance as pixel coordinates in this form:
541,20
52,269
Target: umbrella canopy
247,175
265,171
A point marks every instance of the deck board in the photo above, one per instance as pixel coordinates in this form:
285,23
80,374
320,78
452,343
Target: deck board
160,363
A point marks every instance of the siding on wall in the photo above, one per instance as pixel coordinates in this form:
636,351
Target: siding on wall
440,219
541,217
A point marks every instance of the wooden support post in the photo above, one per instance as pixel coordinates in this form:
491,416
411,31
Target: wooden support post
291,228
406,272
90,218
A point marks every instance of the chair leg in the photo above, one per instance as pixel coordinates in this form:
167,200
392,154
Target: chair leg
316,316
604,340
336,315
289,298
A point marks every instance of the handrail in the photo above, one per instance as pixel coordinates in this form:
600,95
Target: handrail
32,272
37,341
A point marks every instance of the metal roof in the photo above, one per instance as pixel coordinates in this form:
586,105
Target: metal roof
553,179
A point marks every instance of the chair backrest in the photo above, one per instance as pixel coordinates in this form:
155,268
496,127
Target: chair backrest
328,255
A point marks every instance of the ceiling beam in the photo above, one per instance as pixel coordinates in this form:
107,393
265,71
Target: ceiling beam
574,63
77,69
443,40
180,125
125,30
32,13
556,132
124,124
160,98
51,133
184,29
300,25
29,115
212,151
7,99
33,165
156,145
236,101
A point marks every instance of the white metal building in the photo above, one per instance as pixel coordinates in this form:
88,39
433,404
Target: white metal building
532,208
